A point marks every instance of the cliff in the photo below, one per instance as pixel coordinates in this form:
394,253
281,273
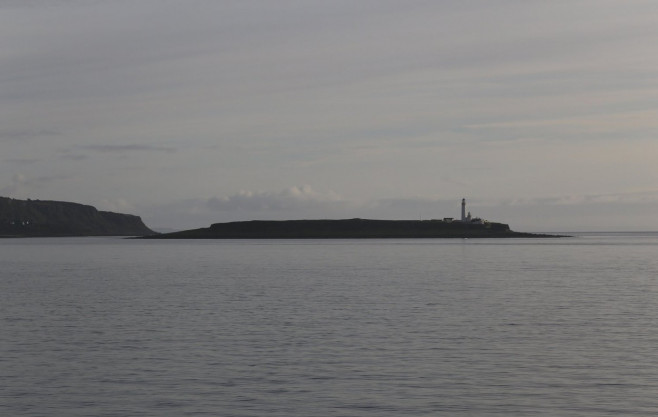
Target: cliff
32,218
346,229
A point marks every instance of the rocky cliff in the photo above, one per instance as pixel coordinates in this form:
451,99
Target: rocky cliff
31,218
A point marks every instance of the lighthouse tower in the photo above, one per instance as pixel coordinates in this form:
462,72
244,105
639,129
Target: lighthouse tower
463,209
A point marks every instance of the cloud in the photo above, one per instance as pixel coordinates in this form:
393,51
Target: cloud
73,157
21,185
17,180
122,149
291,203
31,4
303,197
629,121
26,134
305,202
118,205
23,161
632,197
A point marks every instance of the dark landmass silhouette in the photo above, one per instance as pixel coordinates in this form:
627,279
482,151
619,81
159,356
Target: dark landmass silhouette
37,218
347,229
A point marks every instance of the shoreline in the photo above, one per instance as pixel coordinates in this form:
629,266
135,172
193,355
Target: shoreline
350,229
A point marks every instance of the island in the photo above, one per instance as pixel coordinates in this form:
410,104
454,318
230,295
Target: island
467,226
349,229
42,218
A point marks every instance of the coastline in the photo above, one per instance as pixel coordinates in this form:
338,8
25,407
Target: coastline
349,229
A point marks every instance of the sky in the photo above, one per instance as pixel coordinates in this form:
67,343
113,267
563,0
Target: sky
542,114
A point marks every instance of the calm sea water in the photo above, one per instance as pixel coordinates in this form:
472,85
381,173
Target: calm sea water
114,327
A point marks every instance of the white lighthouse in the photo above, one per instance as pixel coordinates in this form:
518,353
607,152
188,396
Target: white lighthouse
463,209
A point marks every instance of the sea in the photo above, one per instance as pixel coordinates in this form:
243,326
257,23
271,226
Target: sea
433,327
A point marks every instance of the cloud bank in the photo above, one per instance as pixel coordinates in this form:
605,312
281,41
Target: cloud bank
292,198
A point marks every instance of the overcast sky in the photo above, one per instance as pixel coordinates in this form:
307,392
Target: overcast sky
542,114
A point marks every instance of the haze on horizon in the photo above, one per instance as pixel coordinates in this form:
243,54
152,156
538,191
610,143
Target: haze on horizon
542,115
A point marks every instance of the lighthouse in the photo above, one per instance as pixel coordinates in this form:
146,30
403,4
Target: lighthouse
463,209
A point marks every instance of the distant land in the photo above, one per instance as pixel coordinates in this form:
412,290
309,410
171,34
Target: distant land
348,229
43,218
466,227
39,218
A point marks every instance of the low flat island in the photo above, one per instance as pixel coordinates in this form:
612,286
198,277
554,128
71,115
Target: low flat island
348,229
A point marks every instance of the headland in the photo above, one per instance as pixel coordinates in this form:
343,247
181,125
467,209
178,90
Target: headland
43,218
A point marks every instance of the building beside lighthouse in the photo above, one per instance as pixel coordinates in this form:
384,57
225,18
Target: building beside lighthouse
467,218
